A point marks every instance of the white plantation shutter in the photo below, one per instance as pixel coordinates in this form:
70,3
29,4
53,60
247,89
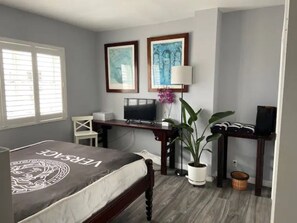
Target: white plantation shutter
18,84
32,83
50,84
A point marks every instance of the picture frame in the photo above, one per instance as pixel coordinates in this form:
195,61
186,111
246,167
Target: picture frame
121,67
163,52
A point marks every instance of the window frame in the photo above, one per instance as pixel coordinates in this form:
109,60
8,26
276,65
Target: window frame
34,49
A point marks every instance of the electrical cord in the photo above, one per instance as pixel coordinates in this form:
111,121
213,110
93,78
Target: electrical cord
130,144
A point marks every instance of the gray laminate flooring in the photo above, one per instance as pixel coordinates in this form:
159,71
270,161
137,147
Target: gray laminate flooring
175,200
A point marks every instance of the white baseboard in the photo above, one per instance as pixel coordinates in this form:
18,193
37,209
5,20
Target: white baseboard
252,180
266,183
209,178
177,165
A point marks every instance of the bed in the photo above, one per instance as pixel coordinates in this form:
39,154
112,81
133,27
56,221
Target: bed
64,182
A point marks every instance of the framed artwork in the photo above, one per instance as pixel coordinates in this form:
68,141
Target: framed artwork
163,53
121,67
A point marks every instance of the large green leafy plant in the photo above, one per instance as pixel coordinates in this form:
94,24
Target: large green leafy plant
188,131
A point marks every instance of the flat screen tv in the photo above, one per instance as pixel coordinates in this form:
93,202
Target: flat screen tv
140,109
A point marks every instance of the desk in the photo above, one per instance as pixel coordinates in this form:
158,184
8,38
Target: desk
162,133
223,150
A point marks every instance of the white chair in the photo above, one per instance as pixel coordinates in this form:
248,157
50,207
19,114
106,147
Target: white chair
83,129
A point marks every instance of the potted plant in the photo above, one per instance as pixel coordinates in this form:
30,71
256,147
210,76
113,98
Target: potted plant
195,142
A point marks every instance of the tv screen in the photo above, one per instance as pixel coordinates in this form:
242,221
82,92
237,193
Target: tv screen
140,109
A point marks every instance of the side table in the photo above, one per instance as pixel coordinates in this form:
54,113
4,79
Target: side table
223,150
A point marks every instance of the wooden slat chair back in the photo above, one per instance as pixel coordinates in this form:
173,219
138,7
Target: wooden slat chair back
83,129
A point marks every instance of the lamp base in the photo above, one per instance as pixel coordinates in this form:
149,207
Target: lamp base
181,172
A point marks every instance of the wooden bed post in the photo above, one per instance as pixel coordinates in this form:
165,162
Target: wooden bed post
149,191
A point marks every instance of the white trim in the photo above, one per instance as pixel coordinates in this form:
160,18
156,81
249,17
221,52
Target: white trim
35,84
28,43
266,183
280,96
1,95
64,86
11,126
209,178
283,55
252,180
185,166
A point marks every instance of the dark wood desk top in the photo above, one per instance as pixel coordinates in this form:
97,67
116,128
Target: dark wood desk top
123,123
164,134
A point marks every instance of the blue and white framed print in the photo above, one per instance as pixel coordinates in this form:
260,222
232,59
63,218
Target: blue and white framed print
121,67
163,53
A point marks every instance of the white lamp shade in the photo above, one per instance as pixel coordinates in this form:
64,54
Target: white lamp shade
181,75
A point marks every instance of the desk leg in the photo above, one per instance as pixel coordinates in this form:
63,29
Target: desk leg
163,155
163,137
105,137
221,162
172,156
259,167
225,157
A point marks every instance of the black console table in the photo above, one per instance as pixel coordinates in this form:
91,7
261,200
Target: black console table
162,133
222,156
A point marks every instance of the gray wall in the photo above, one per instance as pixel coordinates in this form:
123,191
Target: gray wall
236,63
249,59
81,71
202,54
248,76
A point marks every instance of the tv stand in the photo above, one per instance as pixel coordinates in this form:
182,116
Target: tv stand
164,134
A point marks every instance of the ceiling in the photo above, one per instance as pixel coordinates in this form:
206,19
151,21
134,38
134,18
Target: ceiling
101,15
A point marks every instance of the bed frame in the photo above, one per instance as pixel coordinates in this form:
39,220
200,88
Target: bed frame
115,207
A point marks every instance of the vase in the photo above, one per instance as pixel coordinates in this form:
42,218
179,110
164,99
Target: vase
166,113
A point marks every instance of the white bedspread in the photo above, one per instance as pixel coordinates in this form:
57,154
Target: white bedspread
81,205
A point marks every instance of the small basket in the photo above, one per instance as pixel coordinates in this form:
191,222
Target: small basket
239,180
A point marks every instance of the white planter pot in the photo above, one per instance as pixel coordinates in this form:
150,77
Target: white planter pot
197,175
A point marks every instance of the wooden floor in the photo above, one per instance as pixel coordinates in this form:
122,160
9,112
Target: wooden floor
175,200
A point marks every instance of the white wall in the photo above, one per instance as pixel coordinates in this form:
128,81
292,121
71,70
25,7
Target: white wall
81,71
202,56
285,182
248,76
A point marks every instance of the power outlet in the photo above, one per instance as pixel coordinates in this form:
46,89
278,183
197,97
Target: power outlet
234,162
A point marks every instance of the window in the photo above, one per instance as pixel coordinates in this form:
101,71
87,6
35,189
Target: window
32,83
